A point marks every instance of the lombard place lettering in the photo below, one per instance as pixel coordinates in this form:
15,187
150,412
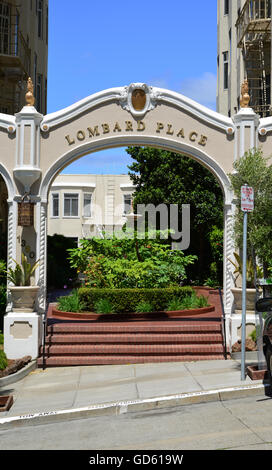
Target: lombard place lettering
139,126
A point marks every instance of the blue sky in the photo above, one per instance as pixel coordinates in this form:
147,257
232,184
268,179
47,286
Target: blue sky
98,45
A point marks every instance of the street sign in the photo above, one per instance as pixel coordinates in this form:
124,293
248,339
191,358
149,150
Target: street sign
247,198
247,205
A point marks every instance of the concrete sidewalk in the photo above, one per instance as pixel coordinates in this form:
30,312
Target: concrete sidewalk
72,392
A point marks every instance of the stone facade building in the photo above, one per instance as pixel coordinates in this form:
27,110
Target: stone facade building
244,52
23,53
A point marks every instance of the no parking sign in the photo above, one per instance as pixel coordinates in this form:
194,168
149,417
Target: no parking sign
247,198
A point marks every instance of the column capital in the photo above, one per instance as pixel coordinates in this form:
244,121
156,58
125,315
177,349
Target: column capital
246,114
27,166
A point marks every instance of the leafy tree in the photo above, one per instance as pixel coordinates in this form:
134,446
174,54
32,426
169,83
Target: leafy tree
253,169
129,263
165,177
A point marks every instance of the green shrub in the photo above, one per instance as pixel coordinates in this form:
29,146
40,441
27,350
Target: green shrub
70,303
129,262
144,307
202,301
3,360
253,335
103,306
1,338
188,302
126,300
174,304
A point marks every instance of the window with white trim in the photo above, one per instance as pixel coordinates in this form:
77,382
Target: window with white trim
70,205
55,204
127,203
87,205
39,7
226,69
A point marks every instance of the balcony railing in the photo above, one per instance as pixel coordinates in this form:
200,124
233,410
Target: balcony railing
254,22
14,46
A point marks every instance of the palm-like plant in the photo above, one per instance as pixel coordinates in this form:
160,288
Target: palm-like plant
21,274
249,270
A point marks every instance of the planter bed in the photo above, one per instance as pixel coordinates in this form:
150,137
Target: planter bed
131,316
257,374
6,401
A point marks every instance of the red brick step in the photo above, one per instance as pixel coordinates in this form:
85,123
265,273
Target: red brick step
128,342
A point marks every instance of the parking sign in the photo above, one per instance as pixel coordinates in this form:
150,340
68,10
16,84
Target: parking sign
247,198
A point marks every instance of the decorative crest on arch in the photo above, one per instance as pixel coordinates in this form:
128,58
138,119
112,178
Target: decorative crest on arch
138,99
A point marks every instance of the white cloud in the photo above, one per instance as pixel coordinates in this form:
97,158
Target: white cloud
201,89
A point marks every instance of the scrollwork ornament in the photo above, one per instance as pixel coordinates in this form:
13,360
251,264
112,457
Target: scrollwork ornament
139,105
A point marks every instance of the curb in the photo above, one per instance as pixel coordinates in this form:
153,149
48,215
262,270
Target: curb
132,406
12,378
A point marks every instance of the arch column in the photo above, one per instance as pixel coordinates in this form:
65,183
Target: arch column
246,138
22,329
12,241
41,250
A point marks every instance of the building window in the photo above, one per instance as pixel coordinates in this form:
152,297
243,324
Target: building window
39,92
46,32
55,205
226,69
4,109
226,7
70,205
35,72
40,18
87,205
127,203
5,28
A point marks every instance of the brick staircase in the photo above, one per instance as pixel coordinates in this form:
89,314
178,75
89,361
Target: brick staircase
71,343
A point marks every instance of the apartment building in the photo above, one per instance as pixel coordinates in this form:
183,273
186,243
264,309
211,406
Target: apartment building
244,52
82,206
23,53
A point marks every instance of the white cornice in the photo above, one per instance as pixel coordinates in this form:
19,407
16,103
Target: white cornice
202,112
70,184
127,186
8,122
121,94
265,125
59,117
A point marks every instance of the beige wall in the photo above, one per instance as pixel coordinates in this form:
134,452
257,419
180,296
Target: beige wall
164,126
107,204
228,99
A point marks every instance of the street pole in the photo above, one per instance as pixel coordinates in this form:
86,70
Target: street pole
243,350
247,205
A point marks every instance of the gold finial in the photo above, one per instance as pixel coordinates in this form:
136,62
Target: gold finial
244,101
29,97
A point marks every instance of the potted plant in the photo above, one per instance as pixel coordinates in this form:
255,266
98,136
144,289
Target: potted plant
250,287
23,294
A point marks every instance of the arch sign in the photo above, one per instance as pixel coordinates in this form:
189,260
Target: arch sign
35,148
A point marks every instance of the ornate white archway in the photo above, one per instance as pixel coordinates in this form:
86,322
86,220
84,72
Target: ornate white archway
36,148
155,141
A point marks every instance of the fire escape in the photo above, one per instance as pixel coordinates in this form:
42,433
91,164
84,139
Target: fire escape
14,59
254,38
